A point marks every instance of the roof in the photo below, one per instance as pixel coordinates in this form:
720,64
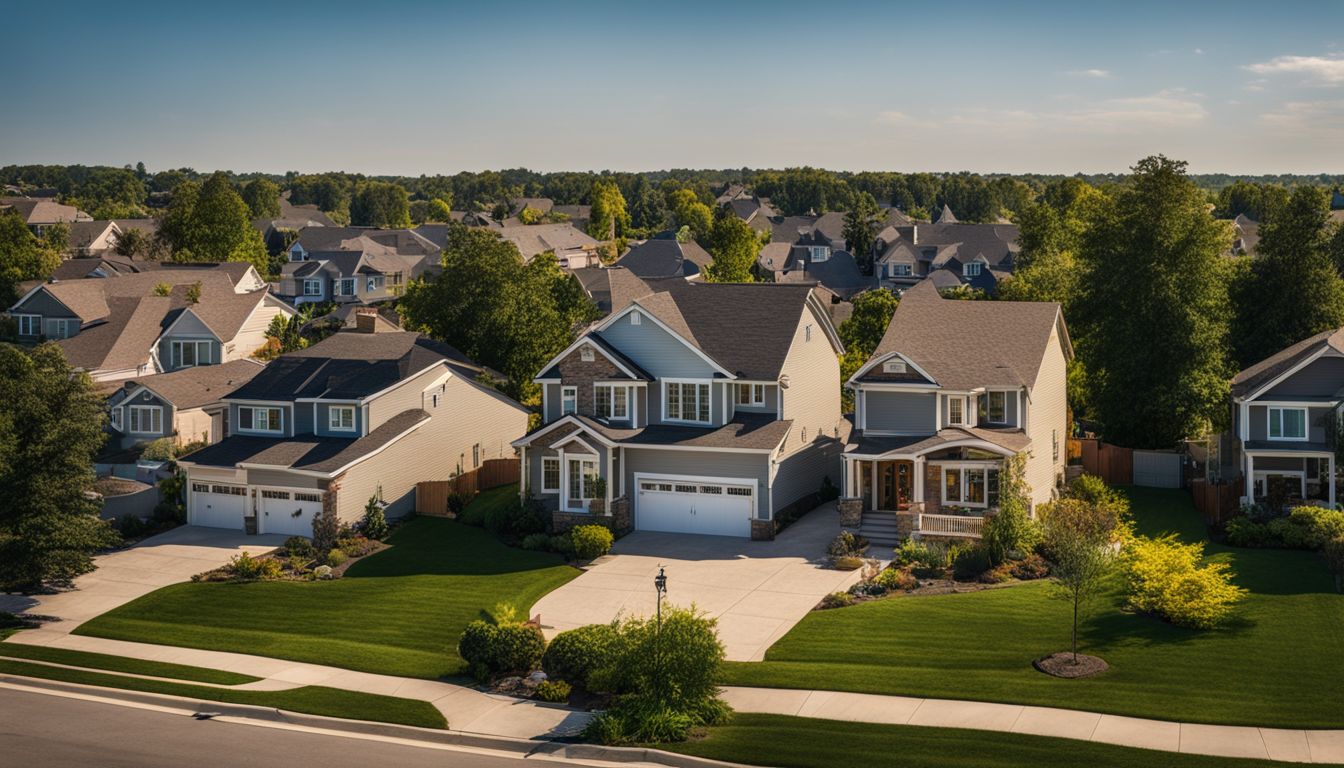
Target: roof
640,374
611,287
538,204
40,210
1265,371
945,216
202,385
1011,440
965,345
997,243
399,242
83,233
535,239
664,256
306,452
750,432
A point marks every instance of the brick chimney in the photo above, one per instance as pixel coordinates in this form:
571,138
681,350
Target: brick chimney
366,320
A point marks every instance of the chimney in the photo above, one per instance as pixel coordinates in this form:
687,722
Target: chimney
366,319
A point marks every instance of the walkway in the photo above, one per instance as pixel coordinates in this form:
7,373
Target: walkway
1217,740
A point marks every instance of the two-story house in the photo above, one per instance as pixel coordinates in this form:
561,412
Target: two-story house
363,412
186,405
698,408
354,264
1284,415
953,388
948,252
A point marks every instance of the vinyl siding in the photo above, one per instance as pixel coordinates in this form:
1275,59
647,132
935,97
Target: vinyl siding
652,461
407,395
812,399
43,303
1316,418
193,424
252,334
908,412
656,351
1321,378
802,471
187,328
1046,420
144,398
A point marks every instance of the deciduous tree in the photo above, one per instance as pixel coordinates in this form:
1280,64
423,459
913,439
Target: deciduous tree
860,230
380,204
688,211
608,219
23,256
262,197
734,246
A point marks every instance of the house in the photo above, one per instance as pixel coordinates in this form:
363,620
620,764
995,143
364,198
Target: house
1246,235
354,264
292,219
1284,411
572,247
91,238
812,249
953,389
697,408
978,255
665,256
147,322
363,413
186,404
611,288
41,212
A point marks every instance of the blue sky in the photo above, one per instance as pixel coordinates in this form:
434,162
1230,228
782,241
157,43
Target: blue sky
410,88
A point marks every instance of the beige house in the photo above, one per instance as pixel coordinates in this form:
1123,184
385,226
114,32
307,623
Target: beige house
187,404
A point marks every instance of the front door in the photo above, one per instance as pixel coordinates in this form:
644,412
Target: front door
905,471
895,483
581,474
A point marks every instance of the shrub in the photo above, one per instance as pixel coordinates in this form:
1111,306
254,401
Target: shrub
374,524
847,563
555,691
1031,567
997,575
514,520
1010,533
477,648
1334,554
355,546
970,562
837,600
1319,524
894,579
1095,491
575,653
1304,528
163,449
1246,532
1164,578
919,554
847,544
458,503
562,543
519,648
298,546
536,542
245,567
336,557
590,541
131,526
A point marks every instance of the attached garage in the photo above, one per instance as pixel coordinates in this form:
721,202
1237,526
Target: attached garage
218,505
706,505
288,511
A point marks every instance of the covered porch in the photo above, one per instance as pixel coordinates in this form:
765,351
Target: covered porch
1281,479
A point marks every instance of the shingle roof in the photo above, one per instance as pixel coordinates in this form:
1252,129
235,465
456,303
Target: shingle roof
1256,376
202,385
1014,440
663,256
306,452
945,216
83,233
534,239
763,432
42,210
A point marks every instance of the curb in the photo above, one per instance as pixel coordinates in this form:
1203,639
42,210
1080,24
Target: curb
522,747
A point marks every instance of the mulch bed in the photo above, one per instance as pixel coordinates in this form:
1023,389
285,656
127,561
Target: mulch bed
1062,665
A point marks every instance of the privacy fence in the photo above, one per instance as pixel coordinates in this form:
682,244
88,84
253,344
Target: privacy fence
431,496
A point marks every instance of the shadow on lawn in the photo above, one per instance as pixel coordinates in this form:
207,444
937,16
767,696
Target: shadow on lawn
441,547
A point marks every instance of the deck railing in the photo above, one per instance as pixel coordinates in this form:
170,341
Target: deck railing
950,525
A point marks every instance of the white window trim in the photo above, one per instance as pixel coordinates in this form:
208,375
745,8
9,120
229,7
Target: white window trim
901,270
582,458
972,269
333,423
312,282
373,283
818,253
709,390
179,344
32,320
156,414
894,365
1269,423
961,467
340,286
756,394
115,418
611,414
960,420
547,460
570,394
989,407
254,428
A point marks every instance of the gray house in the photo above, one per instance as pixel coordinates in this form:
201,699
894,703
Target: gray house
952,253
354,264
698,408
187,404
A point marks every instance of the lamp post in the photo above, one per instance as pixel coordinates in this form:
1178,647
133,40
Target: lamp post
659,584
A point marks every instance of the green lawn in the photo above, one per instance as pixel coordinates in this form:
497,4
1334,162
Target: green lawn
311,699
123,664
398,612
1280,662
795,742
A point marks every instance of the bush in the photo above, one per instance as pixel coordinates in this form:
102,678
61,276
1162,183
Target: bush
575,653
536,542
1164,578
1334,554
374,524
1031,567
355,546
837,600
514,521
1246,532
494,649
298,546
590,541
895,579
970,563
458,503
1096,492
336,557
245,567
1319,524
1010,533
847,563
847,545
163,449
562,543
477,648
131,526
1304,528
555,691
918,554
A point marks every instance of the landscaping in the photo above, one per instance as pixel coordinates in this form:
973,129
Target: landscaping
398,612
1274,661
125,664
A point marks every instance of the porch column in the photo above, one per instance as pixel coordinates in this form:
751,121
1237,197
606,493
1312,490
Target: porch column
1250,478
1331,480
845,477
611,481
919,480
522,471
874,487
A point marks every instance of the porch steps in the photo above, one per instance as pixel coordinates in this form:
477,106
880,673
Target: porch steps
880,529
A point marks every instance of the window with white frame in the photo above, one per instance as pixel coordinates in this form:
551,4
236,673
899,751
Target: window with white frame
550,474
971,486
818,253
751,394
686,401
636,318
893,366
900,270
312,287
63,328
260,419
956,410
971,269
187,354
569,400
345,286
996,407
341,418
1287,423
611,402
116,418
374,283
146,420
29,325
297,254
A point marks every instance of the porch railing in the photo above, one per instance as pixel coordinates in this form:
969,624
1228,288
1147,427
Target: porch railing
950,525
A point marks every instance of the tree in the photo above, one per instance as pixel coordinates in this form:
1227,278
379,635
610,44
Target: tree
50,432
1154,270
1010,531
211,223
734,246
608,219
862,332
1050,235
648,209
380,204
22,256
1294,289
133,244
688,211
262,197
1078,536
859,232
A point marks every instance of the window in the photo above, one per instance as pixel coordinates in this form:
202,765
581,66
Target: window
146,420
312,287
341,418
200,487
751,394
997,407
116,418
229,490
893,366
686,401
63,328
315,497
187,354
956,410
1054,445
374,283
952,485
973,486
611,402
435,399
29,325
1287,423
807,332
818,253
260,419
345,286
900,270
394,278
586,354
277,495
971,269
550,474
569,400
297,254
476,455
636,318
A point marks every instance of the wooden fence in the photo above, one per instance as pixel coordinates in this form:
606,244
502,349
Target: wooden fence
1216,502
1113,464
431,496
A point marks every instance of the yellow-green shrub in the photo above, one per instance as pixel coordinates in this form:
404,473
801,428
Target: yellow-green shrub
1165,578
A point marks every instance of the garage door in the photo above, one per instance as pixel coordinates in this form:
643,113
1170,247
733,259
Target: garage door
289,512
215,505
693,506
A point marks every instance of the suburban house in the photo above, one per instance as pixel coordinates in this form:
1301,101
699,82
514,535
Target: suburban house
292,219
41,212
1284,412
1245,235
119,327
611,288
812,249
697,408
665,256
953,389
91,238
363,413
572,247
354,264
948,252
186,404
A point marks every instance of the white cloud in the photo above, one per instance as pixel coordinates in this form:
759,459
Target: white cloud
1308,118
1199,51
1325,70
892,117
1167,109
1097,73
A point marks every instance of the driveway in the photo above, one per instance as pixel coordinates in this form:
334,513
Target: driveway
756,589
126,574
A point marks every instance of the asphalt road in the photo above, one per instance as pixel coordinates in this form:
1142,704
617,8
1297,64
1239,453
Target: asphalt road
42,731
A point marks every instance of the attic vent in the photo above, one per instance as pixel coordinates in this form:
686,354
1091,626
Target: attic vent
893,366
586,354
635,318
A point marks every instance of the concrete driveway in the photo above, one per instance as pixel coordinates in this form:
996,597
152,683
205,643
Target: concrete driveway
756,589
124,575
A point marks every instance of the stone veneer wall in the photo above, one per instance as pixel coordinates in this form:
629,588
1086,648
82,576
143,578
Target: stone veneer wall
851,512
933,489
576,373
762,530
618,519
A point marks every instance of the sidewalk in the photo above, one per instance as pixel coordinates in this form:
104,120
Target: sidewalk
467,710
1216,740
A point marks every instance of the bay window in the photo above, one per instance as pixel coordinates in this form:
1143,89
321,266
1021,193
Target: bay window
686,401
1287,423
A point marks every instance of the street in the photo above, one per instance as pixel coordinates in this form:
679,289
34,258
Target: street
44,731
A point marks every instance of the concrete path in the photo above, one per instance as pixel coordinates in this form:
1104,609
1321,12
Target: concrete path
126,574
466,709
1289,745
758,590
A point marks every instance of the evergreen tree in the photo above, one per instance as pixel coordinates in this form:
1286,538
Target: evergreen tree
648,211
860,230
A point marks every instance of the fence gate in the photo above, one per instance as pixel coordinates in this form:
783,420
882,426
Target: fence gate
1157,469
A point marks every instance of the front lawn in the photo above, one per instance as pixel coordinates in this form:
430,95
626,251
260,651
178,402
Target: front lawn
398,612
795,742
1280,662
123,664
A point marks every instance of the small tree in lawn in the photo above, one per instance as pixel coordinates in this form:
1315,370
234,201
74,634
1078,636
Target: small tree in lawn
326,525
1078,537
375,520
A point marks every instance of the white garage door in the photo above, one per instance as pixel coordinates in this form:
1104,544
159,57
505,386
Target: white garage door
215,505
289,512
693,506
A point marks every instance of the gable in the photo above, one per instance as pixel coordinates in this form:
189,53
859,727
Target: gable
1322,377
41,302
188,324
655,349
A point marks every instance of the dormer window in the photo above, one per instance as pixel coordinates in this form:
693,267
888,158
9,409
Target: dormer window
341,418
893,366
996,407
312,287
956,411
586,354
900,270
818,253
971,269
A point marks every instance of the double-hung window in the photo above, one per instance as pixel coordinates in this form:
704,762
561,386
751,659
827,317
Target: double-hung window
550,474
116,418
996,407
971,269
971,486
569,400
312,287
346,286
819,253
900,270
188,354
29,325
956,411
611,402
1287,423
146,420
341,418
260,419
686,401
751,394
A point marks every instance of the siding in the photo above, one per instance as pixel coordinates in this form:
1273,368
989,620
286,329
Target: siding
322,426
653,461
801,472
194,424
407,395
656,351
1316,419
812,400
909,412
188,327
144,398
1047,420
1322,378
252,334
43,303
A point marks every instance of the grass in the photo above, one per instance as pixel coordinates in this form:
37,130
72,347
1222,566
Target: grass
399,612
311,699
1279,662
795,742
123,664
